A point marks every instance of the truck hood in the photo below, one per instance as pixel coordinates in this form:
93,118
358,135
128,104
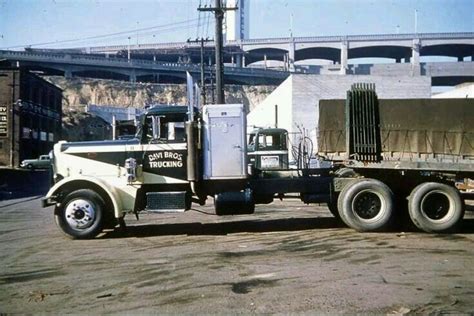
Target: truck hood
123,142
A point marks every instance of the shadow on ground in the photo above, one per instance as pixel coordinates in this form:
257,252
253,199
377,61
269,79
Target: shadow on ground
17,183
245,226
251,226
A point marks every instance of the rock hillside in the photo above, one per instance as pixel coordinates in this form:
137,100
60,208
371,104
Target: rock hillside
78,92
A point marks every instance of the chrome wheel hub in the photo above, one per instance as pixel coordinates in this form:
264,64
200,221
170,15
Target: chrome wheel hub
80,214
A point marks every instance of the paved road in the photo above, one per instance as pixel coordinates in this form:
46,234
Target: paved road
288,258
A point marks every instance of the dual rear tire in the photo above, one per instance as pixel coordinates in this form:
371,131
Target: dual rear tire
435,207
366,205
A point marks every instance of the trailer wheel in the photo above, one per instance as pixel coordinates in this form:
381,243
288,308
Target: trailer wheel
81,214
435,207
366,205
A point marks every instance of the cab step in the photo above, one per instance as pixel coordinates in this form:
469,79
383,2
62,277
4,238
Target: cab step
166,202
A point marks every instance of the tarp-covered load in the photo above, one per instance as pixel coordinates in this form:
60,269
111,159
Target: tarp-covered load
410,128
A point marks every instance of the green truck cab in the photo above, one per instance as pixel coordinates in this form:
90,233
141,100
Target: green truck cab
267,148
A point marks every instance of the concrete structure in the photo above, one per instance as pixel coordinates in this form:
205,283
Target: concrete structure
30,116
443,73
236,22
293,105
408,51
462,91
107,113
132,70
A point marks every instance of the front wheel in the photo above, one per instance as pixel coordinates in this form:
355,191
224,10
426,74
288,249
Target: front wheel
366,205
435,207
81,214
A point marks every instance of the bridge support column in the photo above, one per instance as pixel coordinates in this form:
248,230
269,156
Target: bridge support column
344,57
133,76
460,58
238,60
398,60
291,56
68,73
265,61
415,58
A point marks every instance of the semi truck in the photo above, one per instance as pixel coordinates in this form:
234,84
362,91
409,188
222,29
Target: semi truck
182,155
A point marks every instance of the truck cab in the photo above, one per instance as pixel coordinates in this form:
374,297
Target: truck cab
267,148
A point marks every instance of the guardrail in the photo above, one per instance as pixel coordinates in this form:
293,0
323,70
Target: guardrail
84,59
301,39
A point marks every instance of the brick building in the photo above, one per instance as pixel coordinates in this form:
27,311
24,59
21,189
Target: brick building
30,116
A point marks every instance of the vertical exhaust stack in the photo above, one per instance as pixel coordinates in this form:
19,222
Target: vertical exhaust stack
191,138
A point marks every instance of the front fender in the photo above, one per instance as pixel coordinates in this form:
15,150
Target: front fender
84,182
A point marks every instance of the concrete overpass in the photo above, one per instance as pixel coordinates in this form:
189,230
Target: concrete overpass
338,49
135,69
247,60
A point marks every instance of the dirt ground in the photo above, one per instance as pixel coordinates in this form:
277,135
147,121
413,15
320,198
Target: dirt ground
287,258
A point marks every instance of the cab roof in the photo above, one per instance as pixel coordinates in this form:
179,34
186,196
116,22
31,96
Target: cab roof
270,130
167,109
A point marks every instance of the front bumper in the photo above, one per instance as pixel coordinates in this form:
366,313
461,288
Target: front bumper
48,201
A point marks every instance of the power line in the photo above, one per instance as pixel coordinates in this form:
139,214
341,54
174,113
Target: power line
143,35
208,15
125,33
199,20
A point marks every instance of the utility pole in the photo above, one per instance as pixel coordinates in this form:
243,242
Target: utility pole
219,16
128,50
219,13
203,83
203,71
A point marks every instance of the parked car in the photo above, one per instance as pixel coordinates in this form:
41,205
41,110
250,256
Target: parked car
43,162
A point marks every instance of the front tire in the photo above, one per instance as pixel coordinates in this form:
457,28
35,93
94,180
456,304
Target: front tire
435,207
81,214
366,205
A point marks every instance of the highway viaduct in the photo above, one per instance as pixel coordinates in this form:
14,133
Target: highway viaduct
247,61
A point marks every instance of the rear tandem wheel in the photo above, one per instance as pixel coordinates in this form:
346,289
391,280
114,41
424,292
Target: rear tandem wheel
435,207
366,205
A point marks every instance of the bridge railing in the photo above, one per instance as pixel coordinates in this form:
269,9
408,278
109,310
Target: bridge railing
301,39
368,37
84,59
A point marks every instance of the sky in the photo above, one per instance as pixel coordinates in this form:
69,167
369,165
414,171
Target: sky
79,23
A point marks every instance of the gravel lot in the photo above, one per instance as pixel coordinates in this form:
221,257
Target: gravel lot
287,258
